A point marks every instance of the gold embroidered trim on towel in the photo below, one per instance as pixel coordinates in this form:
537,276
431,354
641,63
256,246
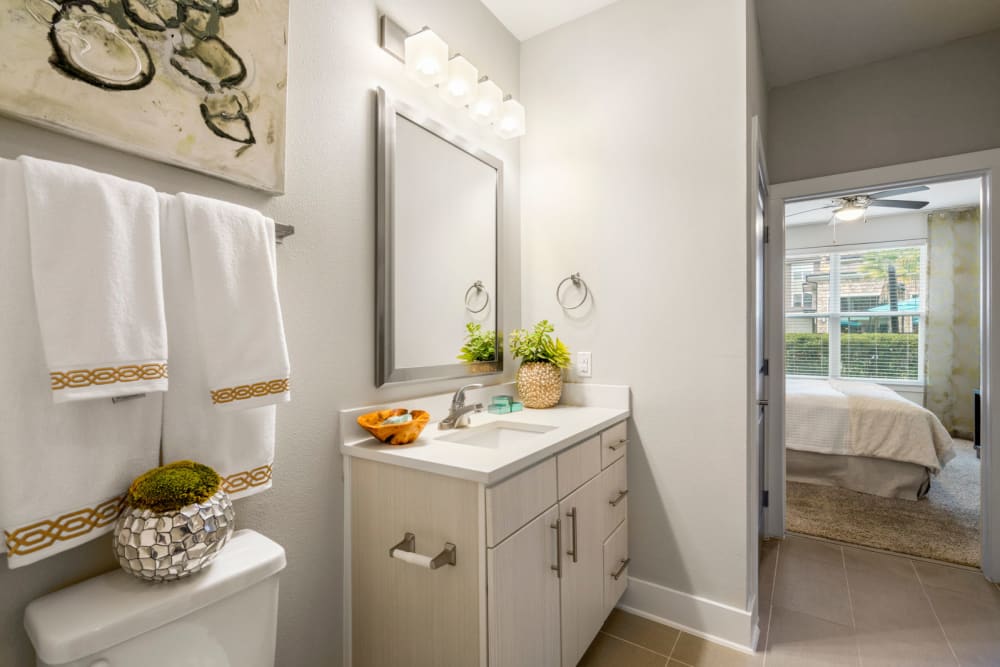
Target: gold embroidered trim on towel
246,479
245,391
86,377
44,534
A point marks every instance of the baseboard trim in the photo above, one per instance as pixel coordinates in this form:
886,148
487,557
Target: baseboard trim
710,620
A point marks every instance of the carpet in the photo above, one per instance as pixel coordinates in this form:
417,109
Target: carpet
943,526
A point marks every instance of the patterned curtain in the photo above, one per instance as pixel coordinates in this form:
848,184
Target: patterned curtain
952,336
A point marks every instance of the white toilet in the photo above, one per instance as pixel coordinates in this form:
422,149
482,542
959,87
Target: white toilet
224,616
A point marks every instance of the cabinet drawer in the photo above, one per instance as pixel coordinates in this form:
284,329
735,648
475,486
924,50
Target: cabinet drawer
578,464
614,442
614,481
516,501
615,563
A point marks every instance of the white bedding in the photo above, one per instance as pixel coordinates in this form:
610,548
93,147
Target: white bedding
863,419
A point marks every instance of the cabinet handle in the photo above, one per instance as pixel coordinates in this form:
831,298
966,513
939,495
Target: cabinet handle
621,568
557,526
572,514
621,497
615,446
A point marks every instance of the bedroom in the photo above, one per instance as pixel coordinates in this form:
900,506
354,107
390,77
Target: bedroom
881,330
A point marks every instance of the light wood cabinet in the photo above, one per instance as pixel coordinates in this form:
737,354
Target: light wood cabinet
523,598
532,582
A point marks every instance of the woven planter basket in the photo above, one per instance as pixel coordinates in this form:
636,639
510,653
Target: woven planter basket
539,384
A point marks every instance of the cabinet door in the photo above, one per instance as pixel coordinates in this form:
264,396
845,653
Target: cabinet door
523,596
582,590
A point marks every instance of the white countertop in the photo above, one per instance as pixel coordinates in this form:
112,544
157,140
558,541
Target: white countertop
489,465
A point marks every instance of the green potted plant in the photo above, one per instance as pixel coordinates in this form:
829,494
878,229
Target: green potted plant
480,348
539,379
177,519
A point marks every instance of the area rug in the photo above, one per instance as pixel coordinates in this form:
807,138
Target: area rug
942,526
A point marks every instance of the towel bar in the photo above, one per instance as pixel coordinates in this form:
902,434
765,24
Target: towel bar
281,232
406,550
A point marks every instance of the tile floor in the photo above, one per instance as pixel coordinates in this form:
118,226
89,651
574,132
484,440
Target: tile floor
824,604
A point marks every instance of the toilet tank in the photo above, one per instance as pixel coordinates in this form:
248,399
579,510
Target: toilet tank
225,615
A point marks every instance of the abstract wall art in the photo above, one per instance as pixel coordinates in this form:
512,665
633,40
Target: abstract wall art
195,83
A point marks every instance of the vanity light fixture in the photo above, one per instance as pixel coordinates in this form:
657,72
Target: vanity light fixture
459,89
426,57
486,107
511,123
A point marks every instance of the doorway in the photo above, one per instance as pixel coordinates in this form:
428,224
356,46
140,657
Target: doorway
979,166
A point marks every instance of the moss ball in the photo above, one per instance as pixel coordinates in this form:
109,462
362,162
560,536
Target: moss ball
171,487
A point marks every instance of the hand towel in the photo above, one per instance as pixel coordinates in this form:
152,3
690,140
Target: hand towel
239,444
64,469
242,337
95,264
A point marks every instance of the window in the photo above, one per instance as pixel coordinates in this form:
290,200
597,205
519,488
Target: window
856,314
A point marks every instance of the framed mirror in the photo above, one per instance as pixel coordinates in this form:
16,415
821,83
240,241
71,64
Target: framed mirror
437,251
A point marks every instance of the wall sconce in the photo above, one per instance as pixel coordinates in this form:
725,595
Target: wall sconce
426,58
459,89
511,123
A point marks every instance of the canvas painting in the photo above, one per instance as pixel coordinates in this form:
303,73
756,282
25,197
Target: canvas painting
196,83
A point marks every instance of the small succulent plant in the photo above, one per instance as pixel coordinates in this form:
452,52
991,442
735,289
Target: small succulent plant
538,345
480,344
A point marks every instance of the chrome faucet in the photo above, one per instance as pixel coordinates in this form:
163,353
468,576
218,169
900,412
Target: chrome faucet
458,416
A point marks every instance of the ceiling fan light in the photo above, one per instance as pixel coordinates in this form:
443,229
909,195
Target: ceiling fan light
849,212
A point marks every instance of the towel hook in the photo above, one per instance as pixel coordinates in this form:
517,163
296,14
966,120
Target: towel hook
577,282
479,287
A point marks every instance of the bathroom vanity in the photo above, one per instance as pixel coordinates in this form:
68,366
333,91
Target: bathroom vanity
501,544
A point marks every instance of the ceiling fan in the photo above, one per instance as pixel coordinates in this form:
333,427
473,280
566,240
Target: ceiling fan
854,207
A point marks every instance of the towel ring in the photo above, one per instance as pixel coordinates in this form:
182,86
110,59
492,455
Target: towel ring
478,286
577,282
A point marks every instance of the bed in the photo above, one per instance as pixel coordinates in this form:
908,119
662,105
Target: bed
862,436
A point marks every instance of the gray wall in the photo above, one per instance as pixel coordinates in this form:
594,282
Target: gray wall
933,103
326,276
628,126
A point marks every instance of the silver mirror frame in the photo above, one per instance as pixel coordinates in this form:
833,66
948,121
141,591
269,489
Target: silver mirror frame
385,362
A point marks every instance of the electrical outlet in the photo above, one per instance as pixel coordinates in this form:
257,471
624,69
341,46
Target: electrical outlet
583,365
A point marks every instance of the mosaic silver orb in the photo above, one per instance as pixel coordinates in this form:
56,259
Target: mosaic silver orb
172,545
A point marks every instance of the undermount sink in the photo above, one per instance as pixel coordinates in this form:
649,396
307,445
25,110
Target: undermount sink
497,434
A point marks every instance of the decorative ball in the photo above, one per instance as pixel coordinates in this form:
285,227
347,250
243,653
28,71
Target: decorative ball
176,522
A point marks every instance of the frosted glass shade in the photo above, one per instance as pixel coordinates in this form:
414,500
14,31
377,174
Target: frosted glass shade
459,89
511,123
486,107
426,57
850,212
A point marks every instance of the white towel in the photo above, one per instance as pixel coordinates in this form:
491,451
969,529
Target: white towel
95,259
64,469
242,337
239,444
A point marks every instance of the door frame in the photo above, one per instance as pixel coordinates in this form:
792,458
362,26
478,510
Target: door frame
984,164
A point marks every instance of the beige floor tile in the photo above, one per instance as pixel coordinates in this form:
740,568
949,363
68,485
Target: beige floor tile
607,651
697,652
971,622
874,567
768,564
653,636
908,647
800,640
887,596
953,578
811,580
763,623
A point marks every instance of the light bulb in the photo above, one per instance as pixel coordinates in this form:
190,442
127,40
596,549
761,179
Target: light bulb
459,89
849,212
486,107
426,57
511,123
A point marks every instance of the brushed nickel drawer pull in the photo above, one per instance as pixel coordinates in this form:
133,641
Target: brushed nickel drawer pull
615,446
572,514
621,497
621,568
557,526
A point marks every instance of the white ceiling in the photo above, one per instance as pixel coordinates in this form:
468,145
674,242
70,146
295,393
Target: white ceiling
940,195
527,18
803,39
